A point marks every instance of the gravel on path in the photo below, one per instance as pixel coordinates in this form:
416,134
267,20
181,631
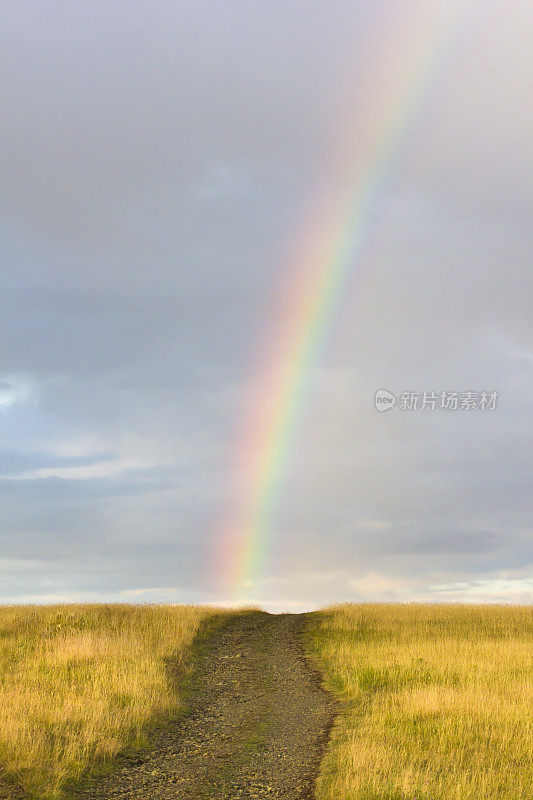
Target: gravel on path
257,725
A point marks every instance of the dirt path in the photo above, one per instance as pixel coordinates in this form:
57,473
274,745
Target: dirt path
257,727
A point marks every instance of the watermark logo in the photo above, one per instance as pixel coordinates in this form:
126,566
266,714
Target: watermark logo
432,401
384,400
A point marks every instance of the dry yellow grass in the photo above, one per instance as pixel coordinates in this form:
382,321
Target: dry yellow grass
439,702
77,683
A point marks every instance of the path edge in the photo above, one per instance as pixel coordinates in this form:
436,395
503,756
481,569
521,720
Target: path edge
317,678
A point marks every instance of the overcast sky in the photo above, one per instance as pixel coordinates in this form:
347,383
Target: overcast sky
158,161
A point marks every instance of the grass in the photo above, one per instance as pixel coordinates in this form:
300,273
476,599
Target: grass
437,702
79,683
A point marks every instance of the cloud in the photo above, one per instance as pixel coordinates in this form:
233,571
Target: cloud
488,590
376,586
15,389
162,166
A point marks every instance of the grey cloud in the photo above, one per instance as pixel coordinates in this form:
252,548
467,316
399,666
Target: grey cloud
14,462
162,167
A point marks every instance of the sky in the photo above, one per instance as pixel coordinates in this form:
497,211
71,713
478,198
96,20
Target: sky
164,166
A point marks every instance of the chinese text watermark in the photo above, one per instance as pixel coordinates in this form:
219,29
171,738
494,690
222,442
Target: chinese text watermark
433,401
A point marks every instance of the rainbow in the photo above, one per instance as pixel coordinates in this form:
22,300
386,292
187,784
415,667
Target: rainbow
325,256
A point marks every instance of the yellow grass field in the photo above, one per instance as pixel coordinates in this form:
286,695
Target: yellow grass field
438,702
77,683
